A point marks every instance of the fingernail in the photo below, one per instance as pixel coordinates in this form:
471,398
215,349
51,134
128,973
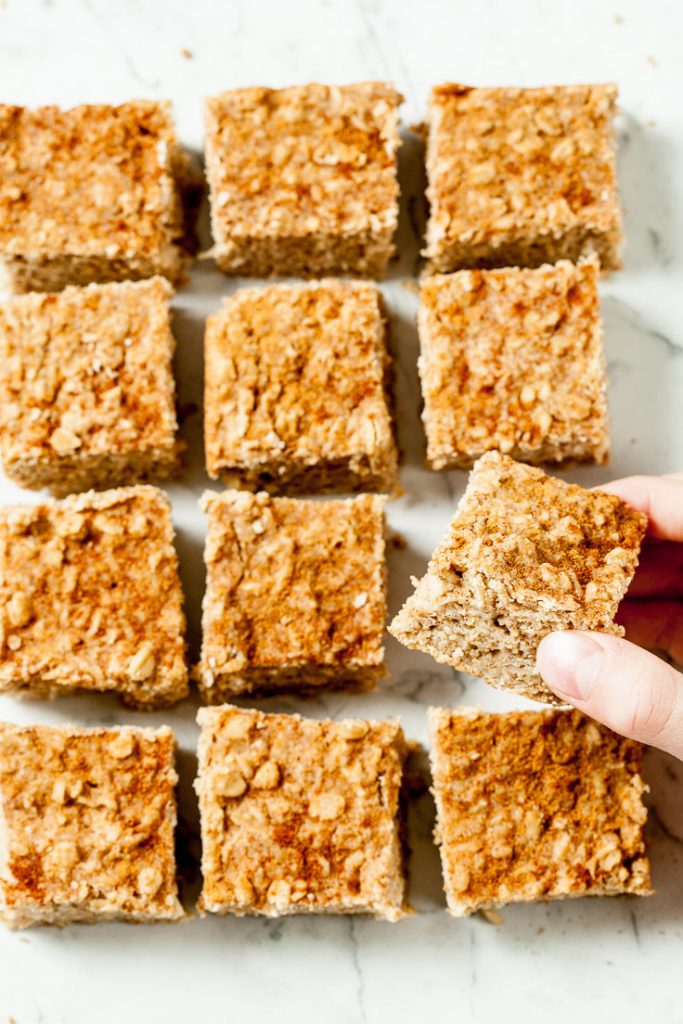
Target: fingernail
560,658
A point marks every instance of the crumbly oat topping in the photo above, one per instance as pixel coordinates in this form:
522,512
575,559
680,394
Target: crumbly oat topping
296,593
88,817
300,816
519,171
296,380
110,184
513,360
525,554
536,805
87,373
539,536
110,191
306,162
77,608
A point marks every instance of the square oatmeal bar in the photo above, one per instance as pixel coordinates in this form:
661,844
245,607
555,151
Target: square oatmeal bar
524,555
300,816
296,393
521,177
535,805
295,596
87,396
88,819
303,181
513,360
90,598
90,194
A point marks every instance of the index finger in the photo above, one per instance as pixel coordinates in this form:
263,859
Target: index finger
659,497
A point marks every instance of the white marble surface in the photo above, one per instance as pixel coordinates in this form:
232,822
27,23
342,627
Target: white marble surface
612,959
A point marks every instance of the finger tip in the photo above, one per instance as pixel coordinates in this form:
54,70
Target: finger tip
559,656
566,646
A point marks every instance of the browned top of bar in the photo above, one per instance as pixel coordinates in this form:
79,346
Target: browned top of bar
95,180
512,358
90,596
307,160
299,814
87,371
534,537
88,817
297,372
534,804
517,163
293,582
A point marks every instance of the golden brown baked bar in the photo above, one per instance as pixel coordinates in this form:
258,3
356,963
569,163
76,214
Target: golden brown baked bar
300,816
87,396
524,555
295,596
514,360
297,378
87,818
521,177
90,194
535,805
303,180
90,598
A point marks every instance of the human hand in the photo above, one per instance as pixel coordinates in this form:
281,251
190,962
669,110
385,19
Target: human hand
612,679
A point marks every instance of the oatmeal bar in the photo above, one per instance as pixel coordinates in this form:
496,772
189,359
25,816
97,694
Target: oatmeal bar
296,594
87,396
87,818
300,816
296,394
90,598
514,360
535,805
524,555
90,194
303,181
521,177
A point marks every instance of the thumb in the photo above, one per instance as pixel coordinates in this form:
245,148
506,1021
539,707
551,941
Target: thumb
621,685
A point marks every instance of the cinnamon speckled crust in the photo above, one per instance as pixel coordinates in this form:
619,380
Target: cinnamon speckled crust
295,597
521,177
90,598
87,818
524,555
300,816
535,805
87,396
90,194
296,393
303,180
514,359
